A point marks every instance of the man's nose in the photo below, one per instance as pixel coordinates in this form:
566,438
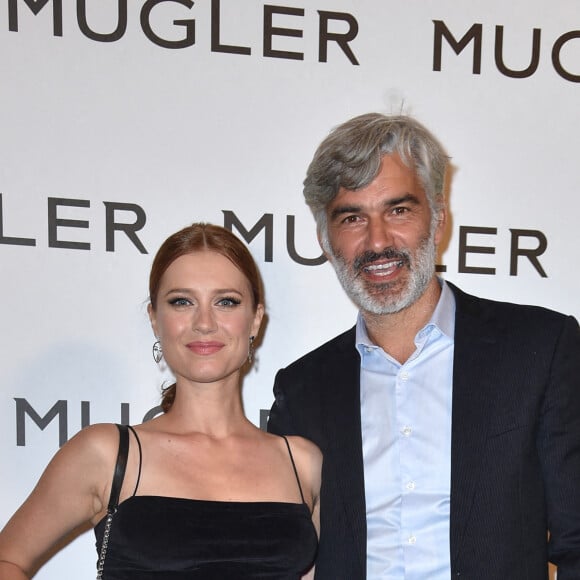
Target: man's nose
379,235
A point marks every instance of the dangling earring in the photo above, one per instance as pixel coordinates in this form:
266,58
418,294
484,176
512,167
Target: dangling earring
157,352
251,350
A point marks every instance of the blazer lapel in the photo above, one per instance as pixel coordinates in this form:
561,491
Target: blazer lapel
474,352
345,429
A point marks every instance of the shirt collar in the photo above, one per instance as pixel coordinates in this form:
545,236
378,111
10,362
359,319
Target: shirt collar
443,318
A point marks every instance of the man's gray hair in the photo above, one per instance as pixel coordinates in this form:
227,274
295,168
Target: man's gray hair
350,157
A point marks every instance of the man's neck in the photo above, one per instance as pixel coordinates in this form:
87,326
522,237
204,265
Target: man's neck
395,333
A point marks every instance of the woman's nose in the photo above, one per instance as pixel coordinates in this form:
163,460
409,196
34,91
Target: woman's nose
205,320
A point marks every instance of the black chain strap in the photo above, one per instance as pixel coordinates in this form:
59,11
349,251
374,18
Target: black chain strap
118,476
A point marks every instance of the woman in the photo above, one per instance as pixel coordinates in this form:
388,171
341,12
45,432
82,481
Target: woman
205,493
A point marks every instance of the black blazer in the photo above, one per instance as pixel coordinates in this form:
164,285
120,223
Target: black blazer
515,458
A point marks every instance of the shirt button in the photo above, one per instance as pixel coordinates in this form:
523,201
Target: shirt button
412,540
404,376
410,485
406,431
368,349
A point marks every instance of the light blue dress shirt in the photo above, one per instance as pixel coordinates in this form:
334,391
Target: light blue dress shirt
406,435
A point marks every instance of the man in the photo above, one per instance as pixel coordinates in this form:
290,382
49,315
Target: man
449,424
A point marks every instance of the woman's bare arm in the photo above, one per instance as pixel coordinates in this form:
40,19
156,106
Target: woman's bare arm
70,492
309,464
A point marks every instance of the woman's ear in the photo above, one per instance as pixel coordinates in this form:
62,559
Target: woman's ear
258,316
152,318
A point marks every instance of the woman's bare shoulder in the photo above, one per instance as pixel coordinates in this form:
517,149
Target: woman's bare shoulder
308,459
99,441
306,447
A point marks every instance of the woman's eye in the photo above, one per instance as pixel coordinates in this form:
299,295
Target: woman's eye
228,302
179,302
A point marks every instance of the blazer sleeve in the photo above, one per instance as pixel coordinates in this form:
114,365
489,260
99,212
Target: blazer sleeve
279,421
559,451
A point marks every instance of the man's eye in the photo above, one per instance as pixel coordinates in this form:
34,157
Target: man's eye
351,219
400,210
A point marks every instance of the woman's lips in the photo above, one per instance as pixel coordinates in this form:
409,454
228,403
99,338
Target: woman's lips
205,347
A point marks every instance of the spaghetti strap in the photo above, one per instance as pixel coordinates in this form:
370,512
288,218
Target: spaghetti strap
294,467
140,458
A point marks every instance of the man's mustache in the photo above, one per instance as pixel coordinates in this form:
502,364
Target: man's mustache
369,257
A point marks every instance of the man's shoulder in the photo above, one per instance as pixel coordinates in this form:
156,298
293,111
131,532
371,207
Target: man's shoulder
468,302
336,349
510,316
321,373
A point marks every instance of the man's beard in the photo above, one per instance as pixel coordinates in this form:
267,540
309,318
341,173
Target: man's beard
388,297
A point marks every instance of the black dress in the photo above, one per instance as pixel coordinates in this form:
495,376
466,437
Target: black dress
166,538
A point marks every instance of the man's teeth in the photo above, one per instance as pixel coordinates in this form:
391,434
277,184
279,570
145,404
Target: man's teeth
387,266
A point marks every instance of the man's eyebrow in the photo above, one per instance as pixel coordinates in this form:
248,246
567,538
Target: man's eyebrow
342,209
405,198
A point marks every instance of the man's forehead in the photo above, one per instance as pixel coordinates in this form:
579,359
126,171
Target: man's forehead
383,192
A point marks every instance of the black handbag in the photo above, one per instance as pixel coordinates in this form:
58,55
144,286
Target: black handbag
118,476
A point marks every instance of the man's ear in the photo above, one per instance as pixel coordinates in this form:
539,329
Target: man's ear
325,251
440,225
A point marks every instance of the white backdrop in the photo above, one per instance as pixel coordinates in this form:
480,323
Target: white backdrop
104,122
